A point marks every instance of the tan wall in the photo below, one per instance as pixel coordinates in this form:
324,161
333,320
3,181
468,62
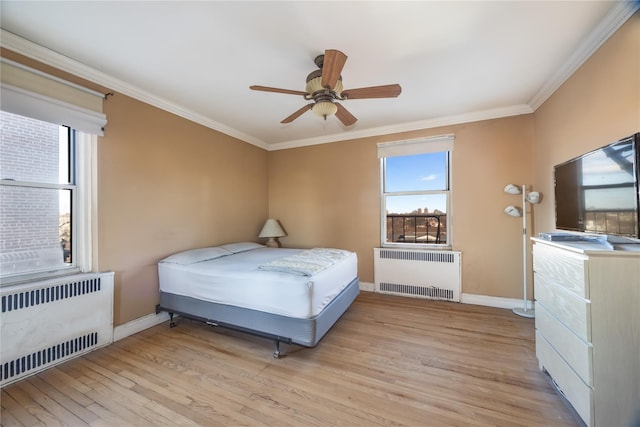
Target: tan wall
328,195
166,184
597,105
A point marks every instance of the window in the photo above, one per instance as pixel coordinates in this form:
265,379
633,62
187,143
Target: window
47,173
416,192
37,167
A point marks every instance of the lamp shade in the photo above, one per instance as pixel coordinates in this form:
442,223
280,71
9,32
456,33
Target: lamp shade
324,108
272,228
512,211
534,197
315,84
512,189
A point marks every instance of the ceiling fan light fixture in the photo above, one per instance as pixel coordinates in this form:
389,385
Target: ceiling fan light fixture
315,85
324,109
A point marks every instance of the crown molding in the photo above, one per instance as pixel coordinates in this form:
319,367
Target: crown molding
496,113
620,13
49,57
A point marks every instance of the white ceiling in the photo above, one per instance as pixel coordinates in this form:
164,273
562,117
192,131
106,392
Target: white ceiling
456,61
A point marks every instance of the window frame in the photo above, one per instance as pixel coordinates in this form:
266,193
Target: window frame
72,186
418,147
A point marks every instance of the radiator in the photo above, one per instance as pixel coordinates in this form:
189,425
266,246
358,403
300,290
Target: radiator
418,273
47,322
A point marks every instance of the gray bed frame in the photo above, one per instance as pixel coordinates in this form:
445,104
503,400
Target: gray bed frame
289,330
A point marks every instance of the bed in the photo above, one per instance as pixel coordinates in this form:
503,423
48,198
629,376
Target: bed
292,296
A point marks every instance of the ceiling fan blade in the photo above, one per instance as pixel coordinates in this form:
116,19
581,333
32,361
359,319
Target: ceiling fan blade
344,116
275,89
386,91
333,63
297,113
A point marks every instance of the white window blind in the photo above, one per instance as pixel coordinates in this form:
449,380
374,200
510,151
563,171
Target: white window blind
416,146
31,93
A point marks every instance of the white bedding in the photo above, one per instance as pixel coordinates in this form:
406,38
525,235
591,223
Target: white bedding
235,279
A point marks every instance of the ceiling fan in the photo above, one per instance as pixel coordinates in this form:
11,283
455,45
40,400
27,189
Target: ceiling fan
324,87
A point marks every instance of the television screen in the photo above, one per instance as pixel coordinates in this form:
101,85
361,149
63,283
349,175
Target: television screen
598,192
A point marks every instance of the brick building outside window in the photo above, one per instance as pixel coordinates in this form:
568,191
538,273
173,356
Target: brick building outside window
37,185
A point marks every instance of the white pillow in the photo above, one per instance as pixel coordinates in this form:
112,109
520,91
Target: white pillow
196,255
241,246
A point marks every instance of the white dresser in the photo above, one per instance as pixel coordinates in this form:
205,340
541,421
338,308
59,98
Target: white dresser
588,327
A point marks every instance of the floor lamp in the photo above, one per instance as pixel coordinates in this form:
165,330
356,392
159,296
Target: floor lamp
533,198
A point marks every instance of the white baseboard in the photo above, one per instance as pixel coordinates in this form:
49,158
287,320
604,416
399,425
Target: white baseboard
485,300
366,286
497,302
139,325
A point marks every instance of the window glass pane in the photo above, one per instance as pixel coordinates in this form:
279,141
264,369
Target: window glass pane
418,204
417,218
35,196
416,173
32,150
34,224
64,224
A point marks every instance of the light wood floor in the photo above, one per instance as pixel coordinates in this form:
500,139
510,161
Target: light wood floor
388,361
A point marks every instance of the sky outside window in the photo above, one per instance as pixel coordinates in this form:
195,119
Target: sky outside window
423,172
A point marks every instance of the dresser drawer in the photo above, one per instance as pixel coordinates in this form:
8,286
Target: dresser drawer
579,394
577,353
563,268
565,306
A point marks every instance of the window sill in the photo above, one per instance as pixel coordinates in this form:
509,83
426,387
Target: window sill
417,246
18,279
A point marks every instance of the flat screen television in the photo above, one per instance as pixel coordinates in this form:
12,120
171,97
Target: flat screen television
598,192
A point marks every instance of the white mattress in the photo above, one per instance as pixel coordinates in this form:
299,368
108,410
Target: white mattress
236,280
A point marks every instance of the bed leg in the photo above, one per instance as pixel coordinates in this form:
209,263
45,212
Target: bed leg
172,324
276,352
